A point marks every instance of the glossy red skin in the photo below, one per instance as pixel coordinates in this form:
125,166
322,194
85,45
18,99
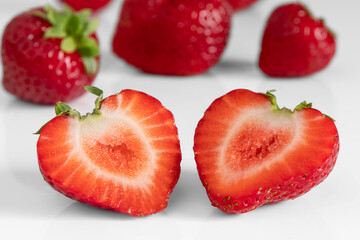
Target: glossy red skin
295,44
61,169
309,166
35,68
172,37
241,4
81,4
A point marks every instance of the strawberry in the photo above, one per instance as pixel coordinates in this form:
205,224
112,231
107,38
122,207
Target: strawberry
241,4
178,37
124,156
90,4
249,152
49,56
294,43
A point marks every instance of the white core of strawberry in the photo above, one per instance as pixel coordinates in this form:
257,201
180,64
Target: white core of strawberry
264,118
107,130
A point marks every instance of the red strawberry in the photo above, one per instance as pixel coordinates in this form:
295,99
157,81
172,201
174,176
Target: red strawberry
249,152
82,4
49,56
294,43
178,37
124,156
241,4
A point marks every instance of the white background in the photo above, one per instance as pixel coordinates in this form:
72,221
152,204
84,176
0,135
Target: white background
31,209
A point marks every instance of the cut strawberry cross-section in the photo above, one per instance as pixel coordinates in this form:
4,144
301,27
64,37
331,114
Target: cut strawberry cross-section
249,152
124,156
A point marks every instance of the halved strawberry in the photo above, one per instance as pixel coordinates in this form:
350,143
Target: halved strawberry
249,152
124,156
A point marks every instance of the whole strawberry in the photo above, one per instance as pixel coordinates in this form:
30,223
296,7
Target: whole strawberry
249,152
124,156
241,4
82,4
178,37
49,56
294,43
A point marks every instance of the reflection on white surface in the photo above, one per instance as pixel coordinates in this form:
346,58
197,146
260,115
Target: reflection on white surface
31,209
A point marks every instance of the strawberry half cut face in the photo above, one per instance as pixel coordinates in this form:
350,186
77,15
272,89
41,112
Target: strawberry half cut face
125,156
249,152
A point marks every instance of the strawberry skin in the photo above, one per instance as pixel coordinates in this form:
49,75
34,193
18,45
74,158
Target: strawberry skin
241,4
36,68
178,37
250,153
125,156
294,43
82,4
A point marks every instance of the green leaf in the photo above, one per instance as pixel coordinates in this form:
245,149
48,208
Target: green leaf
61,108
98,92
54,32
303,105
88,47
73,25
94,90
91,27
61,21
68,45
50,13
272,98
329,117
84,14
67,11
39,131
91,65
74,29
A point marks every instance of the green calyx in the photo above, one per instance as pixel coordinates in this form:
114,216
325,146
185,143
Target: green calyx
275,107
272,98
300,106
75,30
303,105
62,109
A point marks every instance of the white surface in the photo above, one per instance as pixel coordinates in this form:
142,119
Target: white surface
31,209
